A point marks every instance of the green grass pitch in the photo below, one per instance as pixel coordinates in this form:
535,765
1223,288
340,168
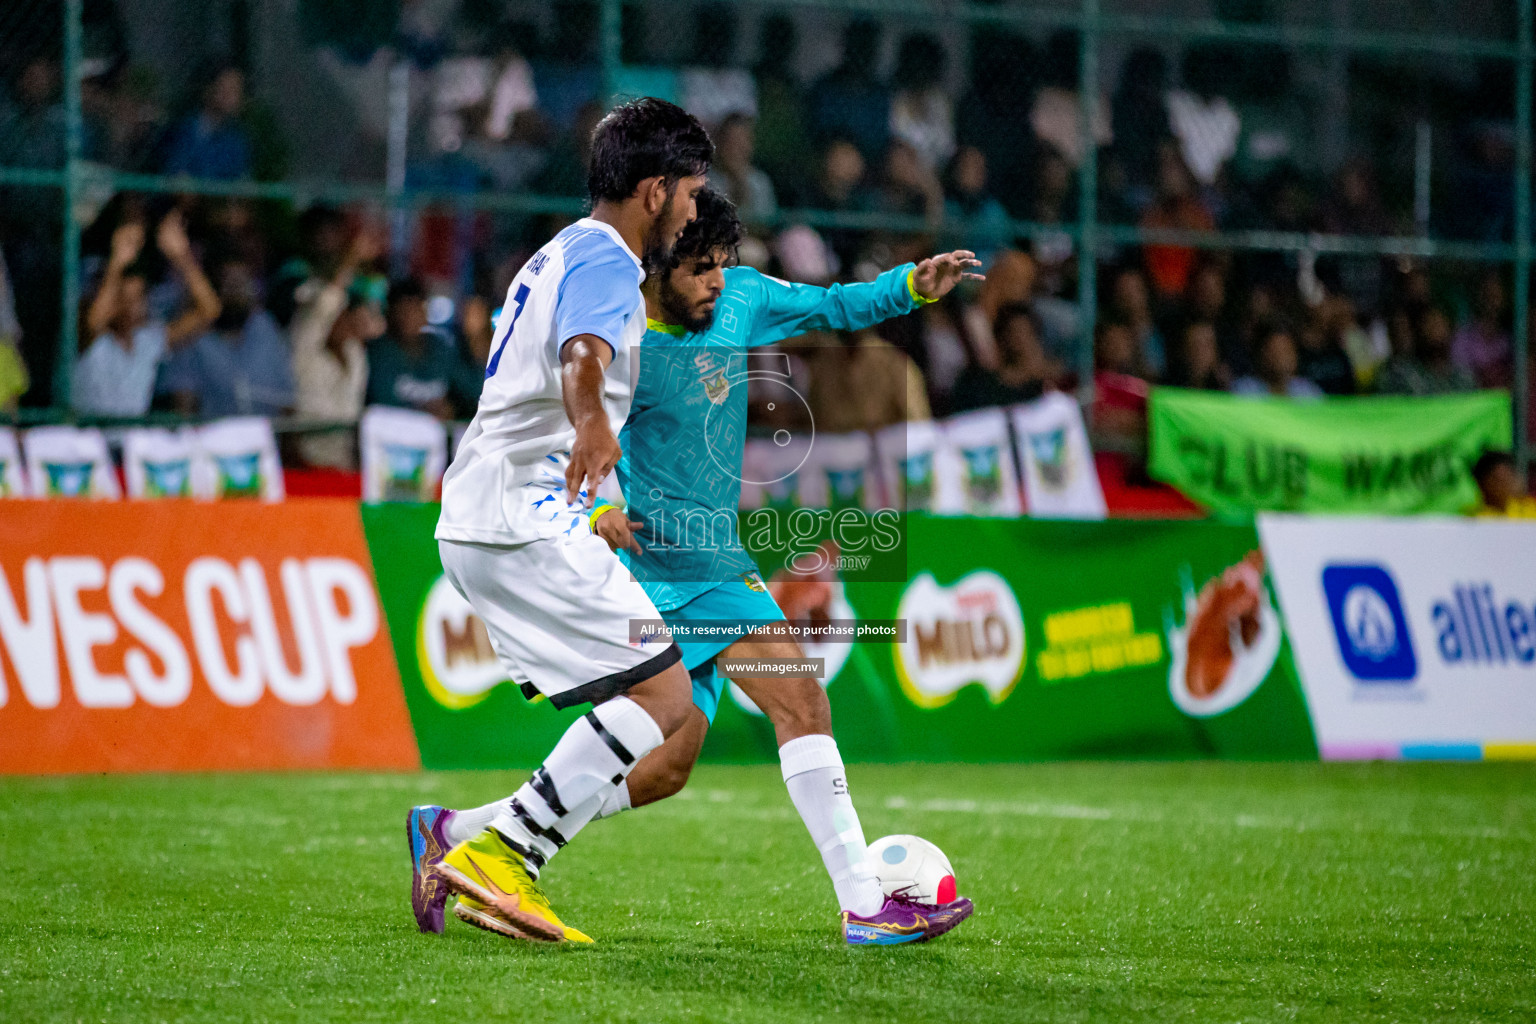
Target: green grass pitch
1104,892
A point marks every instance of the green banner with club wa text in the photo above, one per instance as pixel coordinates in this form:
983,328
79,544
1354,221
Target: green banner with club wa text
1238,455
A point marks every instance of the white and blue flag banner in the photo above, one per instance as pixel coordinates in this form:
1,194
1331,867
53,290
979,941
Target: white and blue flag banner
160,463
907,454
70,462
1055,460
404,454
237,458
13,476
839,473
770,471
974,469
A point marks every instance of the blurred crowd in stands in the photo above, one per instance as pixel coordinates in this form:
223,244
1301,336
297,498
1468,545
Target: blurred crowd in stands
215,306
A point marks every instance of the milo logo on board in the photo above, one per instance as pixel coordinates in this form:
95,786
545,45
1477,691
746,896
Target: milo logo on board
458,664
971,632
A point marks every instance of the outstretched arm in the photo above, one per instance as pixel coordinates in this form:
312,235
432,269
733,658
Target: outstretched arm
785,309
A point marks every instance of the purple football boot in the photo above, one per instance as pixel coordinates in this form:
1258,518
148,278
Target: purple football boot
904,920
424,832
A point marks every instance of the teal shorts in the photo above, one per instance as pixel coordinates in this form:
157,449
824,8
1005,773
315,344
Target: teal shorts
747,604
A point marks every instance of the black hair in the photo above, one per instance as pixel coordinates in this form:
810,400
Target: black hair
405,288
1490,460
1012,311
715,227
645,138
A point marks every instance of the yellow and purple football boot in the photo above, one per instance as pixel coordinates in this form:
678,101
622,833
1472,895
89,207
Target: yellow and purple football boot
493,874
903,920
427,843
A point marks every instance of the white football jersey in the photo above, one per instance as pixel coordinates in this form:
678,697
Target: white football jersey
506,484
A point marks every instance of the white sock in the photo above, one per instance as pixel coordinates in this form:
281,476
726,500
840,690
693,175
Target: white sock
813,773
595,754
465,825
617,801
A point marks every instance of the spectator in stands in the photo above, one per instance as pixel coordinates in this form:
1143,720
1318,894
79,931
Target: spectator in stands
1055,252
1010,281
1056,111
1498,484
413,366
323,242
1196,362
1205,301
1320,356
922,110
13,372
477,329
566,172
1482,345
781,139
1205,123
710,87
1021,374
841,189
115,373
1430,370
1140,120
908,188
242,366
32,120
331,330
1120,386
1176,206
864,383
212,143
734,175
1354,207
849,102
1131,301
1003,65
967,200
1275,360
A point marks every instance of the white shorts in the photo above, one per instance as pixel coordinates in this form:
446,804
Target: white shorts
558,612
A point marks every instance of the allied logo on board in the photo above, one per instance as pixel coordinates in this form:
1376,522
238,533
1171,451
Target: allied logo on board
458,664
1474,626
968,633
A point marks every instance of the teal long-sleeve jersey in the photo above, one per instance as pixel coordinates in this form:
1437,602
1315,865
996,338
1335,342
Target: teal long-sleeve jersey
683,441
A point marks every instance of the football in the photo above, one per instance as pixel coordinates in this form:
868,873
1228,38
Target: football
914,868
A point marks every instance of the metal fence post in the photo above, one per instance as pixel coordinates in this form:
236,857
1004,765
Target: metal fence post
1521,339
1088,197
610,39
69,324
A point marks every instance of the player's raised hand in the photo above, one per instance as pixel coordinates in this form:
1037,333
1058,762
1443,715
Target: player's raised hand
618,530
937,276
593,455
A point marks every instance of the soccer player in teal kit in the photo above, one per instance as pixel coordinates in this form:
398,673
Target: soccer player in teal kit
683,446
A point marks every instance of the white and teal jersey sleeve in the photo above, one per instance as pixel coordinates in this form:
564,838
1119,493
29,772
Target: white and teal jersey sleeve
683,441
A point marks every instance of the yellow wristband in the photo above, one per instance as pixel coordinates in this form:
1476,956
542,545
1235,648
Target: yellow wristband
919,300
597,514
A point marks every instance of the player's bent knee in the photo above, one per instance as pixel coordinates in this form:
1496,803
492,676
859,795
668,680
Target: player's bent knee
667,697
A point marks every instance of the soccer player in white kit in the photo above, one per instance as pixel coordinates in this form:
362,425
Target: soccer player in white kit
513,532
